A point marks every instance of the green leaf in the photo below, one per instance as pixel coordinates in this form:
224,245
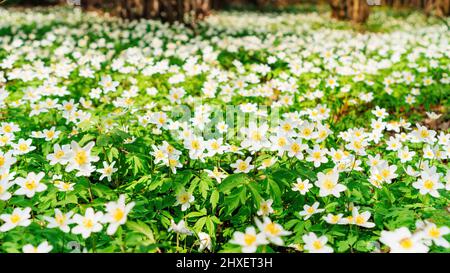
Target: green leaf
210,226
255,193
155,184
214,199
232,201
103,140
195,214
352,239
142,228
85,139
199,224
101,190
343,246
231,182
275,191
203,187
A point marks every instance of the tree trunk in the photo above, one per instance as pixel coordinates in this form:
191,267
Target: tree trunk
184,11
356,11
439,8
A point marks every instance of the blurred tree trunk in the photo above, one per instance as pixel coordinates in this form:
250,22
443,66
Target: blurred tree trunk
277,3
263,3
420,4
356,11
217,4
184,11
439,8
92,4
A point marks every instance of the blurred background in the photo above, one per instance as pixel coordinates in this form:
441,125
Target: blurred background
184,11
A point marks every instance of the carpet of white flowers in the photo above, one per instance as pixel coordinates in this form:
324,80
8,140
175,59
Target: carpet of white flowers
342,145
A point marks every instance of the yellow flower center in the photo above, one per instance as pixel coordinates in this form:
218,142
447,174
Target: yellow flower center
281,141
184,198
317,155
424,133
88,223
360,220
295,148
272,229
242,166
287,127
307,131
159,154
328,184
434,232
81,157
30,184
118,214
170,149
7,129
249,239
264,208
428,184
4,139
385,173
406,243
50,134
322,134
23,147
15,218
215,145
195,145
60,219
257,136
267,162
129,101
334,218
173,162
59,154
317,245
